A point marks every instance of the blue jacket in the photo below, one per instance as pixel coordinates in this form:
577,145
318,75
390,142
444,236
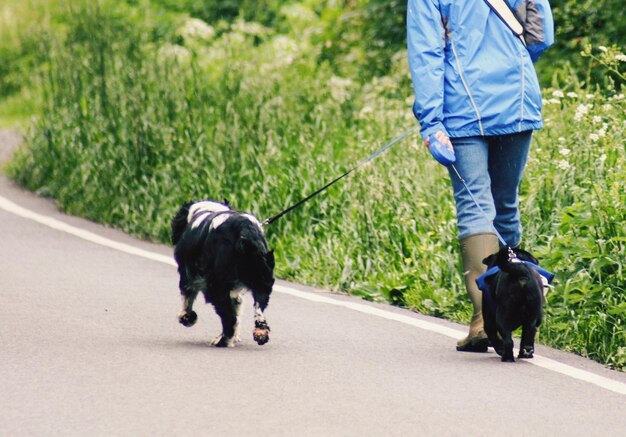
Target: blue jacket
471,74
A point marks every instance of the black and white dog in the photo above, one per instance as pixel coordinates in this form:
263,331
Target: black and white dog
514,298
222,253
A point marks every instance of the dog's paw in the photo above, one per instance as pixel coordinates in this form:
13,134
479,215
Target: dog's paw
526,353
261,332
221,341
188,319
507,359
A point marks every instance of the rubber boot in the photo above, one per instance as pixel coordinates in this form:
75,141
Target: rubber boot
474,249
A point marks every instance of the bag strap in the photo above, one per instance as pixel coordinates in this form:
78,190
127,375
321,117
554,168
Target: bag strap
503,12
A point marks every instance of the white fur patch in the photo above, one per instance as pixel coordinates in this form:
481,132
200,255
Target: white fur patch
205,206
199,219
238,293
218,221
253,219
258,314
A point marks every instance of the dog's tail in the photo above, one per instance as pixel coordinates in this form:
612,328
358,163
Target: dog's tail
179,222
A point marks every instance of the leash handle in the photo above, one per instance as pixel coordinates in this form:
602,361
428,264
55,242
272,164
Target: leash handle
337,179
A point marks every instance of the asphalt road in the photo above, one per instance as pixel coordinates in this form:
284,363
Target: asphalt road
90,346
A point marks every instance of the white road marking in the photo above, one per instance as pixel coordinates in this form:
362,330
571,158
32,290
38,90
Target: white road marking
543,362
11,207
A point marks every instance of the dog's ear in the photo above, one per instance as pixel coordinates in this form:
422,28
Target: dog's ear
525,256
225,202
490,259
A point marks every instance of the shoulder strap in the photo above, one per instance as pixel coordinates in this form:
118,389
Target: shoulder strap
503,12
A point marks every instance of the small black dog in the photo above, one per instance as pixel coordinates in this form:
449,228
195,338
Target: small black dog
222,253
515,299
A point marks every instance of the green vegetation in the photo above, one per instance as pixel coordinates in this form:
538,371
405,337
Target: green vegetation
141,105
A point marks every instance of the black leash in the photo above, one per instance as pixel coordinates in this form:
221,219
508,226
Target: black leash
361,163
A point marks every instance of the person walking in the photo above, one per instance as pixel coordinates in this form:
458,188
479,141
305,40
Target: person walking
477,91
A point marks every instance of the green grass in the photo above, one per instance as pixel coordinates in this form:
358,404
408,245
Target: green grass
132,125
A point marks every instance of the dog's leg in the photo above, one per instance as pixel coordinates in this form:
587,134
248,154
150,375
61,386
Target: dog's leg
228,313
236,297
187,316
527,345
490,328
507,340
261,332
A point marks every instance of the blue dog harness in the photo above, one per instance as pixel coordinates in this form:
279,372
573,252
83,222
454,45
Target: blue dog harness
488,293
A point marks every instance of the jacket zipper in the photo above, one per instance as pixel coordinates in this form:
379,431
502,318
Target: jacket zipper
523,92
469,93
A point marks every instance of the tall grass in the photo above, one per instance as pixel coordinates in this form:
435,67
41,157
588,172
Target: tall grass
134,125
577,214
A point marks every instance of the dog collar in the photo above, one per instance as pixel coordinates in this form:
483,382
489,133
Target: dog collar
480,281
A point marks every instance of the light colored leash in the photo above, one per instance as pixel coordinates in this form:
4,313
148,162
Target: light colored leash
445,156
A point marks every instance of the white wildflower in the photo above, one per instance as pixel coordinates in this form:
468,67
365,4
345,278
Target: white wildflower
195,28
620,57
299,15
607,107
561,140
557,93
563,164
284,45
174,52
572,95
564,151
365,111
339,88
594,137
589,96
596,119
603,49
602,158
250,28
581,111
286,50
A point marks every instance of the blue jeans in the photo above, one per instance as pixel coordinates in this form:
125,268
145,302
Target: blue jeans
492,167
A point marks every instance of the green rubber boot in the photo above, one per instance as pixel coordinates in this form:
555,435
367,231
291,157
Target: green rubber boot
474,249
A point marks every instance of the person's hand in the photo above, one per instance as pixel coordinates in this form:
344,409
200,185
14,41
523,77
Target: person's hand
443,139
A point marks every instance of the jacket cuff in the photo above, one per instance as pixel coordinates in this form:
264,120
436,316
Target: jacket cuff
432,129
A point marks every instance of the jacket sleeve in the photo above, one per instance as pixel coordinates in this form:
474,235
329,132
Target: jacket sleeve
538,27
425,43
